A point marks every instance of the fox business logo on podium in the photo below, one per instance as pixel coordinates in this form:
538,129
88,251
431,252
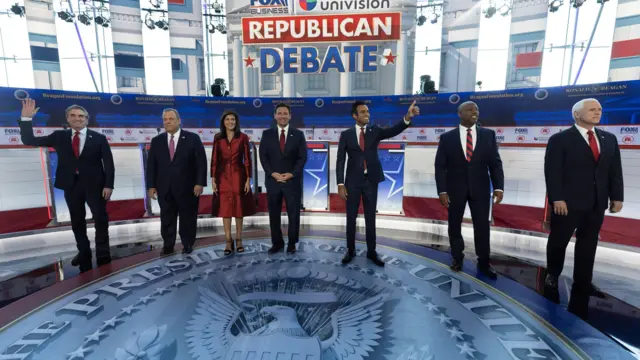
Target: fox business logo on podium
332,28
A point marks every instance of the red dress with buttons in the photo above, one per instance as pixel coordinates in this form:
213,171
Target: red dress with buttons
231,167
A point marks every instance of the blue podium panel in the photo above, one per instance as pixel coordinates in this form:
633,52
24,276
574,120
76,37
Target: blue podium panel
315,178
390,192
60,209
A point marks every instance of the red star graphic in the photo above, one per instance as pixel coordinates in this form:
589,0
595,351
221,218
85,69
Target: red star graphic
391,59
249,61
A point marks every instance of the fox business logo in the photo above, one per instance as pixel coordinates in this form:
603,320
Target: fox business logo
500,138
627,140
11,131
265,7
545,131
629,130
439,131
107,131
422,138
521,131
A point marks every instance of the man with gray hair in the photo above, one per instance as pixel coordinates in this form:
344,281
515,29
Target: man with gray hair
583,174
85,173
176,175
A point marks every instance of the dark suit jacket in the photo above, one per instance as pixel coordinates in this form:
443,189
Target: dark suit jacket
188,168
292,160
458,177
349,144
572,174
95,164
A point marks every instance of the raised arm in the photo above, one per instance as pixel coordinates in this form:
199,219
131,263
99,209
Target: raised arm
29,110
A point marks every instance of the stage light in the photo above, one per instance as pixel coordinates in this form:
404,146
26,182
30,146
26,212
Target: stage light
211,28
162,24
148,21
66,16
433,18
17,9
421,20
577,3
217,7
102,21
490,11
221,28
555,5
504,10
84,19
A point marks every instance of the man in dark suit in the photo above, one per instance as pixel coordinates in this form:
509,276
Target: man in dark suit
364,173
176,175
467,164
583,172
283,153
85,173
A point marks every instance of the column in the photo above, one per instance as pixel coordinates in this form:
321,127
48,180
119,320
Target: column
238,64
401,64
246,73
345,77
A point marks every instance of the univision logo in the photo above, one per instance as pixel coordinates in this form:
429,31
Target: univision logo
344,5
308,5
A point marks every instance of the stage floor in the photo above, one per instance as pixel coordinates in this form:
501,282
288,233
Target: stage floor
307,305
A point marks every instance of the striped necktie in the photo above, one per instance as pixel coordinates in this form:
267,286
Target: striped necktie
469,145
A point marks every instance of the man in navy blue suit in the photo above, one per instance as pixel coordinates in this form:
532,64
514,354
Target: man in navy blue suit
176,175
467,164
364,173
85,173
283,153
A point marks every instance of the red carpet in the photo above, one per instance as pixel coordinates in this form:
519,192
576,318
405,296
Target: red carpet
614,230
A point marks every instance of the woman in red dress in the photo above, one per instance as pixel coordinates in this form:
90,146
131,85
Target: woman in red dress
231,171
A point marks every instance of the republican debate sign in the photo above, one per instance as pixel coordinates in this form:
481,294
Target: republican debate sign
295,31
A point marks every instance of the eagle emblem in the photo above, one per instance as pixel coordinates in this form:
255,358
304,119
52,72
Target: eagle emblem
221,329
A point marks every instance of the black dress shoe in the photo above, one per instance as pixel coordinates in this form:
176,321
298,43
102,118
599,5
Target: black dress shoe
167,251
187,249
103,261
456,265
375,259
551,282
74,261
348,257
488,271
275,248
594,291
291,248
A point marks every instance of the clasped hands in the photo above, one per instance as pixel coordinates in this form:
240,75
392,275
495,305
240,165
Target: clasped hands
282,178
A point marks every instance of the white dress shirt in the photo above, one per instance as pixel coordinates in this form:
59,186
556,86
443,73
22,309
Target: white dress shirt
585,136
286,132
176,136
463,142
83,137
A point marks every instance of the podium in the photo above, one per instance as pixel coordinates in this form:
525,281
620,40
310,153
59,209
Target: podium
60,214
390,191
315,177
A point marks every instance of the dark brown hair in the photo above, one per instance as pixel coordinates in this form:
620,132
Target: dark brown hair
223,130
282,105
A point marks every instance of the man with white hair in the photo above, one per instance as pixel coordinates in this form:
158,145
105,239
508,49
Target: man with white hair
176,175
583,174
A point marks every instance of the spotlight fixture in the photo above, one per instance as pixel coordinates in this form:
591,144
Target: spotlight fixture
490,11
421,20
84,19
221,28
148,21
217,7
555,5
17,9
65,15
577,3
162,24
102,21
433,18
504,10
211,28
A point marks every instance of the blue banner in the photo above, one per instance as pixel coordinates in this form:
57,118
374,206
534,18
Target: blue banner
390,191
315,179
522,107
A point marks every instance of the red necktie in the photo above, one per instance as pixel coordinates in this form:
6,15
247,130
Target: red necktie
593,145
172,148
282,140
75,144
469,145
362,144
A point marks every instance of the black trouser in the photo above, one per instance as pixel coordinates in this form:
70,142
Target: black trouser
586,225
76,198
480,208
185,206
368,192
291,194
